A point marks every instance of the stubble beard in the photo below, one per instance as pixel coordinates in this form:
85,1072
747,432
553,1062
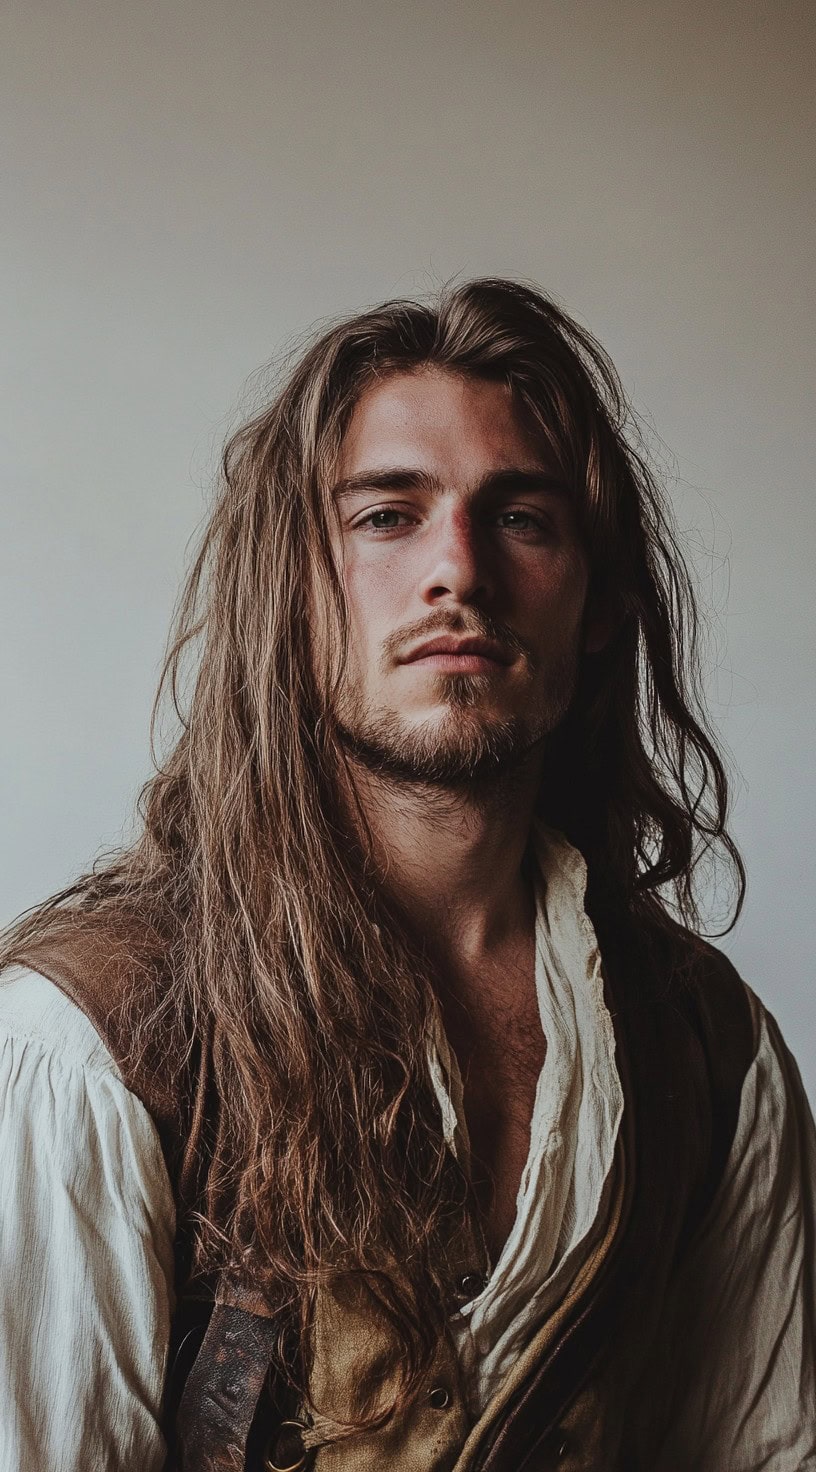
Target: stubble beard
463,751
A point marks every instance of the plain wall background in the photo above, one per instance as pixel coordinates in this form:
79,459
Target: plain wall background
187,185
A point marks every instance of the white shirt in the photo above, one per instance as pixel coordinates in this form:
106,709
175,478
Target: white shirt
576,1114
87,1223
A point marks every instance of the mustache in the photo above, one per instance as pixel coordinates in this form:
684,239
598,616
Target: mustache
478,625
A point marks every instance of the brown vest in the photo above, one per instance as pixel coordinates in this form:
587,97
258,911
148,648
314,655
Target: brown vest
580,1396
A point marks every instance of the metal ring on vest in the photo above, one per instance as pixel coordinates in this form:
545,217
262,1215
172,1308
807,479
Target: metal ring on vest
287,1444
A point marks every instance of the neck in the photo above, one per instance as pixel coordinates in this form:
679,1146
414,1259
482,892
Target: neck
454,861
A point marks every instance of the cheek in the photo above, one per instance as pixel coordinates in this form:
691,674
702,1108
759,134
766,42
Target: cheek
373,597
555,602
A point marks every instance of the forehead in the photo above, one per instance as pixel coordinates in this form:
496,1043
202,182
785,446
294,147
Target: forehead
436,417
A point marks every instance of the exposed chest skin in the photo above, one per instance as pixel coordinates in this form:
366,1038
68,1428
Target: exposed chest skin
499,1044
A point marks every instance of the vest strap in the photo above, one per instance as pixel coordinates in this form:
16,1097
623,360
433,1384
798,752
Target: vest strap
223,1390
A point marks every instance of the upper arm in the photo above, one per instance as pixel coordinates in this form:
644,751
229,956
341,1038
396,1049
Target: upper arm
86,1238
741,1320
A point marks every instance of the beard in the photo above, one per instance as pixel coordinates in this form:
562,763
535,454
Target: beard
463,749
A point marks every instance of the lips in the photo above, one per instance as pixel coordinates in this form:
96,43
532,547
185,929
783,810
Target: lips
486,648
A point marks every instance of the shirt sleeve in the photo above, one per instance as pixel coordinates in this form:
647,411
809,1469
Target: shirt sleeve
744,1315
86,1250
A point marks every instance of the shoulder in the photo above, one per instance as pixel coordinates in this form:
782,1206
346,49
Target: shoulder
763,1125
696,978
66,1115
694,1018
117,970
34,1010
776,1120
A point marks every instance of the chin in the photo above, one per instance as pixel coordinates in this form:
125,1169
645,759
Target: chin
449,749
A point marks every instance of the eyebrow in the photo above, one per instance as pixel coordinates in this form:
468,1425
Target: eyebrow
516,478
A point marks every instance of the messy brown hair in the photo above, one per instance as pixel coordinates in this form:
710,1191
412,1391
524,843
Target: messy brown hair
286,955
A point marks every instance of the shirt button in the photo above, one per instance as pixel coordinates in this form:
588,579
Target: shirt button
439,1398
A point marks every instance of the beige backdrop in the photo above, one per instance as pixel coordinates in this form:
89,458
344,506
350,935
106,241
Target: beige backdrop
188,184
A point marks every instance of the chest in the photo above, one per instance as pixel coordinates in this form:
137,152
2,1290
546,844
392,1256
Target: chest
500,1048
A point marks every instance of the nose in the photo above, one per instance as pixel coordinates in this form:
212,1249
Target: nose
455,566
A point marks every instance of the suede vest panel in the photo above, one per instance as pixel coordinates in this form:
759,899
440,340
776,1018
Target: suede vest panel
684,1041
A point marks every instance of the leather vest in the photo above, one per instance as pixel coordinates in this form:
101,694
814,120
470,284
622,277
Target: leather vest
579,1396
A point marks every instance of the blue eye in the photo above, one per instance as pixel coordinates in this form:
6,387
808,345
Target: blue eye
375,522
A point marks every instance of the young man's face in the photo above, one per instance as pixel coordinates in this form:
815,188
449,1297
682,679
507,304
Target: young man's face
453,526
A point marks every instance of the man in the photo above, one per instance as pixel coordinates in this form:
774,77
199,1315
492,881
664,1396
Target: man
376,1109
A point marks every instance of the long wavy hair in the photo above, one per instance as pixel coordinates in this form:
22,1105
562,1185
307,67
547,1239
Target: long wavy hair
284,949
